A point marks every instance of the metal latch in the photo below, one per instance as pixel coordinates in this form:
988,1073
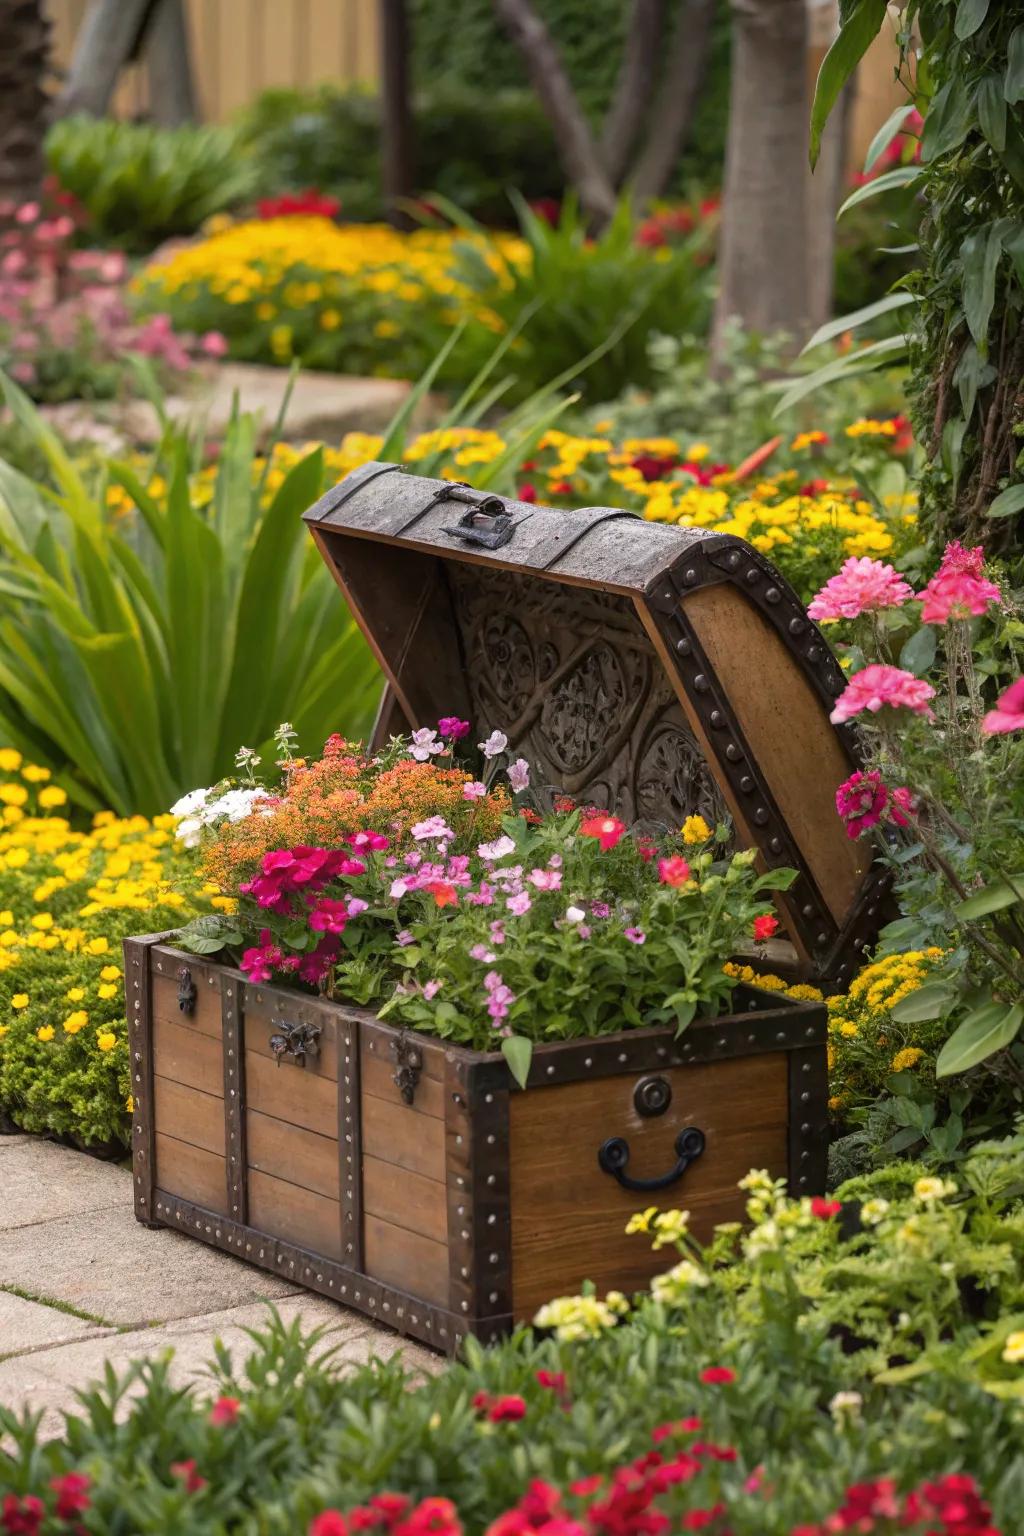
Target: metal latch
186,990
410,1064
487,522
295,1040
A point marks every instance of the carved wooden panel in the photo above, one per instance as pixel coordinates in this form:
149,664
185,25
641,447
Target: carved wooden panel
571,678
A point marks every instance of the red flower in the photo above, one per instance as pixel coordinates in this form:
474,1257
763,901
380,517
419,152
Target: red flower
225,1410
330,1522
186,1470
652,468
646,849
21,1517
825,1209
561,488
563,804
674,871
553,1381
291,203
444,895
527,492
607,829
764,927
72,1494
717,1375
500,1410
583,1487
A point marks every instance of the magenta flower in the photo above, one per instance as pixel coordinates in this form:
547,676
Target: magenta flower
953,594
366,839
1008,714
329,916
860,802
635,935
519,775
473,790
260,963
519,904
499,997
600,909
482,897
902,805
860,586
405,938
877,687
452,728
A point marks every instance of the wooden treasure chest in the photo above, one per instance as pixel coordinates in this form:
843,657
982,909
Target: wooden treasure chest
653,670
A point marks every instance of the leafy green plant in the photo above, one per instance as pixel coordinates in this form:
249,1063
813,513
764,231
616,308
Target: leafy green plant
139,184
142,653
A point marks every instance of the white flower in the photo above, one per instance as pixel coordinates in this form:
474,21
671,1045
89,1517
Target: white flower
929,1189
193,801
672,1286
235,805
496,742
574,914
873,1211
519,775
496,850
845,1406
188,831
424,744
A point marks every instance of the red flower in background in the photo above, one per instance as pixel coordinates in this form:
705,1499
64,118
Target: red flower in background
310,202
21,1517
764,927
186,1471
607,829
527,492
718,1376
72,1492
824,1210
225,1410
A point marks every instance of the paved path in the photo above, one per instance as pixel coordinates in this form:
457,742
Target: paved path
81,1283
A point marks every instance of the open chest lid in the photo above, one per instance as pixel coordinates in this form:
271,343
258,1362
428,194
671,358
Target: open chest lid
654,670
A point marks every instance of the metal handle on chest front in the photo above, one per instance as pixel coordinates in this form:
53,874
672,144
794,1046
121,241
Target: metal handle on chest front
295,1040
613,1155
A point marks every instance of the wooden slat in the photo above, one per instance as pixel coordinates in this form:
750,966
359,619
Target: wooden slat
568,1216
289,1152
405,1260
299,1216
292,1094
188,1057
205,1017
405,1199
190,1172
379,1083
189,1115
397,1133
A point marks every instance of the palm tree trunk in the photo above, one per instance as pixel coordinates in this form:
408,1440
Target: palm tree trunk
24,106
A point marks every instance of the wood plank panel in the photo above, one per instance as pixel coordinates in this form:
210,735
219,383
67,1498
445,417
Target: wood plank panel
186,1056
788,731
405,1199
405,1260
569,1216
289,1152
378,1076
378,1041
191,1173
205,1017
299,1216
189,1115
397,1133
291,1094
235,85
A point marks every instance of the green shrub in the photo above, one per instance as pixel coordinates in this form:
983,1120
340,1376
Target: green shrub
143,651
141,185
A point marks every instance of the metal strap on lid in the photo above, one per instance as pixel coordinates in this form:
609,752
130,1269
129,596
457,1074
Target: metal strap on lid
358,480
570,534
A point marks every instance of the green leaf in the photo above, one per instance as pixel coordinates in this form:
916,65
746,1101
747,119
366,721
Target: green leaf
928,1002
992,111
858,317
885,135
953,434
988,1029
969,16
948,119
901,176
1013,84
518,1052
1007,502
980,255
858,31
864,360
994,898
918,654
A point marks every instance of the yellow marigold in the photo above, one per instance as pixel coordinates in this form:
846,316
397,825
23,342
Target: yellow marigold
6,918
106,989
34,773
76,1021
10,760
13,794
106,1040
695,830
110,973
42,920
98,946
908,1057
19,1000
52,796
45,1032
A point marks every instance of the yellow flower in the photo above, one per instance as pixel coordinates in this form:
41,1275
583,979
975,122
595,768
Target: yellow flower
97,946
1013,1349
641,1220
3,1030
110,973
849,1030
76,1021
908,1057
129,1104
670,1227
6,918
13,794
19,1000
107,989
695,830
52,796
106,1040
17,858
930,1188
35,774
330,320
74,994
10,761
42,920
45,1032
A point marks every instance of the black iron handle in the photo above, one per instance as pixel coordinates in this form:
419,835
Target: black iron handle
613,1155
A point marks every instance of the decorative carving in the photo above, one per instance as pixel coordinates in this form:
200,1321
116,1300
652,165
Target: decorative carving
570,676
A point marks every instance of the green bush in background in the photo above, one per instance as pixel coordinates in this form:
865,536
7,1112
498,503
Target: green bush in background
140,184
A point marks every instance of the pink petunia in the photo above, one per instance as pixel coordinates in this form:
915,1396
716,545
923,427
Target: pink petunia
955,558
877,687
519,775
452,728
546,879
635,935
1008,714
473,790
519,904
860,586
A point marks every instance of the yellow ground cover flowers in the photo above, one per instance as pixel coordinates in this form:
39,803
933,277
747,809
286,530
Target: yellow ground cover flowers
866,1044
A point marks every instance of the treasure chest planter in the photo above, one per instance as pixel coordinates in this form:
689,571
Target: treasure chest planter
653,670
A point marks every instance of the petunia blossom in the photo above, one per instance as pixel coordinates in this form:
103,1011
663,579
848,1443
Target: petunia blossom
499,849
546,879
519,775
607,829
878,686
424,745
519,904
860,586
1008,714
433,827
452,728
473,790
635,935
495,744
674,871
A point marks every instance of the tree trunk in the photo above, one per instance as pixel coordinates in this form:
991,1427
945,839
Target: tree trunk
24,47
172,98
825,183
633,87
763,269
107,39
396,112
576,146
673,109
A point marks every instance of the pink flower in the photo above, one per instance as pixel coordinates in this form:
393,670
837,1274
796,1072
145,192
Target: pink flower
433,827
259,963
878,686
497,931
499,849
404,937
765,927
330,1522
519,775
481,952
329,916
452,728
860,801
674,871
957,559
953,594
635,935
519,904
473,790
546,879
431,989
366,839
902,805
1008,714
214,344
424,745
860,586
225,1410
500,997
600,909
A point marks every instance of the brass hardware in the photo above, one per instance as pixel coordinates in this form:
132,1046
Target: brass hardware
186,990
295,1040
410,1065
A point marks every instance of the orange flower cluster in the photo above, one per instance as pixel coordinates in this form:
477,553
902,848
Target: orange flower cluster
345,792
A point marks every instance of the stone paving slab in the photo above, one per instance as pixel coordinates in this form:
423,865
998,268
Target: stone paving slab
41,1180
30,1325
